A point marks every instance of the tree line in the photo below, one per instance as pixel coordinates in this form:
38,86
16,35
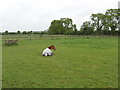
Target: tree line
100,24
24,32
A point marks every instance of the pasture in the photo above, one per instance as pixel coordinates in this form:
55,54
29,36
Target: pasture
79,62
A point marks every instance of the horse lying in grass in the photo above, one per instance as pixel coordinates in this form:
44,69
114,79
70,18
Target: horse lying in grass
48,52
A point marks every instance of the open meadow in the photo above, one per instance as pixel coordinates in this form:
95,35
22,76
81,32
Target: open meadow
78,62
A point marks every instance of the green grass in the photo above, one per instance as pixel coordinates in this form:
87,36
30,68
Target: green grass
77,63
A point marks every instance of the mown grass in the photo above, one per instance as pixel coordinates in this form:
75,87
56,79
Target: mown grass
77,63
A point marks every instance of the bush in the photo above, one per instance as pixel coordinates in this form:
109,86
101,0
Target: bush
11,42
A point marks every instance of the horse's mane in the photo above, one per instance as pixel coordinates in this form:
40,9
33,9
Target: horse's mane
51,47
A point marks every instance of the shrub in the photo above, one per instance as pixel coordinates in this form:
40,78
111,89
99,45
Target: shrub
11,42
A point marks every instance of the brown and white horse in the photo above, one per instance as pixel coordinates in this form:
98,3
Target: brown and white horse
48,52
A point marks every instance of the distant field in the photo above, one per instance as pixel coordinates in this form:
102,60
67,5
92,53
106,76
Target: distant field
79,62
44,36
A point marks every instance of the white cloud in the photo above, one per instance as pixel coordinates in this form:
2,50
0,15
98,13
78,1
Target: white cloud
37,14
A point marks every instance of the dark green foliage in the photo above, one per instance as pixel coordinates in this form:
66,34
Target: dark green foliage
29,32
24,32
102,24
18,32
86,28
112,18
62,26
36,32
12,32
6,32
56,27
97,21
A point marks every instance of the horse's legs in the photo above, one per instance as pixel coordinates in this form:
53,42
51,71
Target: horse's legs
52,54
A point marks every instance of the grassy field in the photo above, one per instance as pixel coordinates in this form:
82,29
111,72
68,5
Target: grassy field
79,62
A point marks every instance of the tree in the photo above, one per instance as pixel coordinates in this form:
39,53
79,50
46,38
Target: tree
18,32
112,19
56,27
74,29
29,32
6,32
86,28
24,32
97,21
62,26
67,25
105,28
106,23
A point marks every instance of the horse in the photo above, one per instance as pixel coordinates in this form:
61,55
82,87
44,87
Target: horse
48,52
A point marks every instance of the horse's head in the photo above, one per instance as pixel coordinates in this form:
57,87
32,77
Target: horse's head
52,47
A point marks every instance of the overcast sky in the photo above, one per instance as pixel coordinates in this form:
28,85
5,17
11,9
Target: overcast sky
36,15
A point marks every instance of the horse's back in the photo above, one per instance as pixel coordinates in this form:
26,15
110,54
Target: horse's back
47,52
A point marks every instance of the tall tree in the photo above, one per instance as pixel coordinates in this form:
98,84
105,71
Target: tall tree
97,21
67,25
105,28
6,32
29,32
62,26
74,29
18,32
112,19
86,28
24,32
56,27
